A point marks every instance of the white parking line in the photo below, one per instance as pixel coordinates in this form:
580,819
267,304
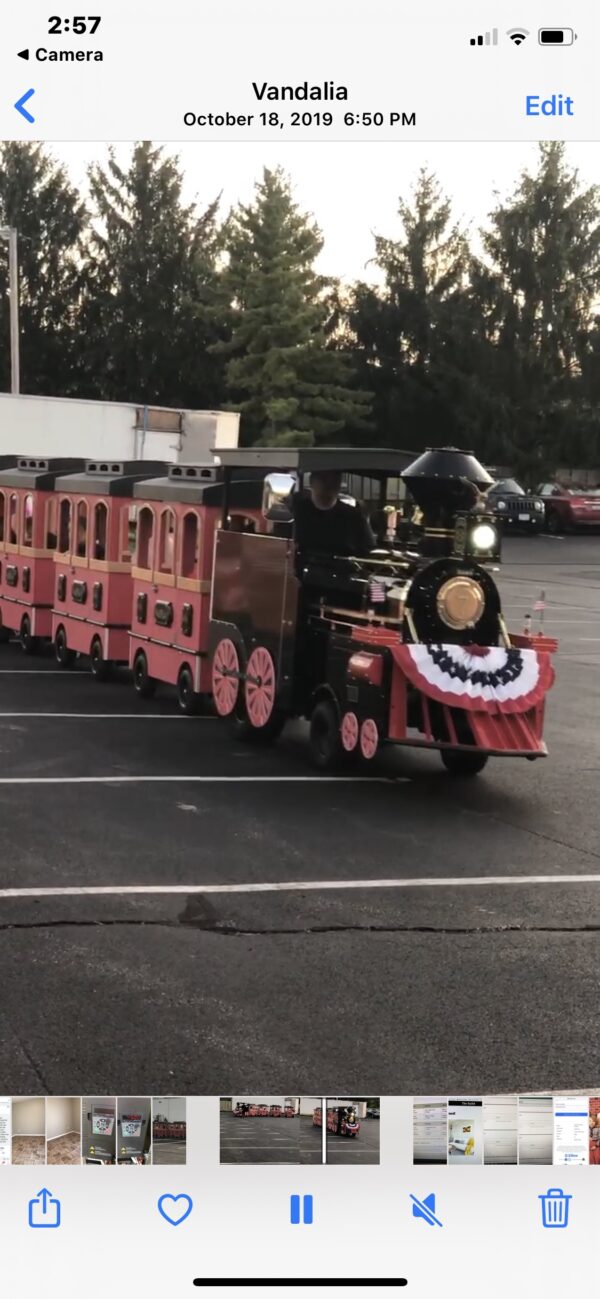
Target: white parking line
120,717
300,886
200,780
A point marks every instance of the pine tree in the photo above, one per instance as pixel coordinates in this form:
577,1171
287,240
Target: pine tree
37,197
290,386
417,336
538,284
151,312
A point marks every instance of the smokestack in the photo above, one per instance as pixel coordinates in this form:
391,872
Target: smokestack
444,481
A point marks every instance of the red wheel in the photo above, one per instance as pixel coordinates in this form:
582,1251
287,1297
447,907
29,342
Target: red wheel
225,681
369,739
260,687
349,731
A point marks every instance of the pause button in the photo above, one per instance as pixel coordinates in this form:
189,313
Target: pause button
306,1207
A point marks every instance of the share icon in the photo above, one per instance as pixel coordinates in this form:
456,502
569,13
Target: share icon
426,1209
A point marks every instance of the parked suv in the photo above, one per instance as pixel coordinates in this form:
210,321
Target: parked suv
568,508
520,511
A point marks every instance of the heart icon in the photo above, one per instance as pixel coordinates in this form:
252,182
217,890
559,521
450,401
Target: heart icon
175,1208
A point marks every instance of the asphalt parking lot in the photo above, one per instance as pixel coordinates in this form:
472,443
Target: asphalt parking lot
299,970
169,1152
360,1150
258,1140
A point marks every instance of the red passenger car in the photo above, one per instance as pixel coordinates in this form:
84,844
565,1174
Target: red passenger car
172,570
93,584
28,530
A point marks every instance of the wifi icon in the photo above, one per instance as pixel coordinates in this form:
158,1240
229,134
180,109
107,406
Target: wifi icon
517,35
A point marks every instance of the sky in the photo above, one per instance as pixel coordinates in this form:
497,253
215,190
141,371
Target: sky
351,188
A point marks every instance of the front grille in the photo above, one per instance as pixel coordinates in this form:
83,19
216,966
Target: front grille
520,505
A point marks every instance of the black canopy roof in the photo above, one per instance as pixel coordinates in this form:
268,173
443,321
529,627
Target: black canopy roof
376,462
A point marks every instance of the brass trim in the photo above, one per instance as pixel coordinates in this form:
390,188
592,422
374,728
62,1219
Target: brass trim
460,602
504,632
411,626
110,566
36,552
162,579
200,585
353,614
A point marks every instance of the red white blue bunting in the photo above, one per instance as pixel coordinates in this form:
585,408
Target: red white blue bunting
477,677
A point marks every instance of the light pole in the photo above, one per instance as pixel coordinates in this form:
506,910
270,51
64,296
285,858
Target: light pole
10,233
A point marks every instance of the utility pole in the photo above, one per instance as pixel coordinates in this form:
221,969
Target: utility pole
10,233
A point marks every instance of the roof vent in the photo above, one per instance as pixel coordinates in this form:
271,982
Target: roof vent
194,473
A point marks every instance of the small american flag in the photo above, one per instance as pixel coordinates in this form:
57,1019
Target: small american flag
377,590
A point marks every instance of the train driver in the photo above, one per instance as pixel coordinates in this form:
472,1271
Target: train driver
325,525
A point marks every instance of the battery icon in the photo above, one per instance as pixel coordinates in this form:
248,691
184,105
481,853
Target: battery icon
556,36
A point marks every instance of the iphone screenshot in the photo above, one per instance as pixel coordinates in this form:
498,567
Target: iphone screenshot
300,649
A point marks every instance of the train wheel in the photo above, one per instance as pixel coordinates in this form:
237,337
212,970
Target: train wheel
326,748
63,655
99,666
349,731
260,687
188,700
369,739
242,728
144,684
225,677
27,642
459,763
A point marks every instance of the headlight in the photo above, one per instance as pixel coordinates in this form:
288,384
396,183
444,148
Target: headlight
484,537
538,505
500,505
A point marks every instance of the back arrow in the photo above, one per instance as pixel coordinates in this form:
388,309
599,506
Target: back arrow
20,106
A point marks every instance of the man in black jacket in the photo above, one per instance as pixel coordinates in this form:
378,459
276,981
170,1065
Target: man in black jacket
324,525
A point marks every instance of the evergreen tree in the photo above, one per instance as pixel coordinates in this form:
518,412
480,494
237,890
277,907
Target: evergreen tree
290,386
417,337
37,198
151,311
538,285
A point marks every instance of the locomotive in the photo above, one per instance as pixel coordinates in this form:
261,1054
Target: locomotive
202,579
402,645
342,1120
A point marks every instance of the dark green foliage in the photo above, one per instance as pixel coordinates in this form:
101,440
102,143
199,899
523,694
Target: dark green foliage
490,339
149,313
289,385
538,284
37,197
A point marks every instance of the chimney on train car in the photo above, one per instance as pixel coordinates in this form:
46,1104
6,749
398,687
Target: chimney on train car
445,482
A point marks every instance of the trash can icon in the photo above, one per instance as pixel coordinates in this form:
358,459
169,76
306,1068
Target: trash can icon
555,1208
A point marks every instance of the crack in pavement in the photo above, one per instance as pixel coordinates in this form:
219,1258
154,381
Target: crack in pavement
30,1060
233,931
536,834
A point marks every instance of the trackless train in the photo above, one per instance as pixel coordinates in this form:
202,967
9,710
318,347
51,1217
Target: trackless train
235,583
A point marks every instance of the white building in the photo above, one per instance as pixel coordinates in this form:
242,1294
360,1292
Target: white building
106,430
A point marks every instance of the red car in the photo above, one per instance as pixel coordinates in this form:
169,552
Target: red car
568,508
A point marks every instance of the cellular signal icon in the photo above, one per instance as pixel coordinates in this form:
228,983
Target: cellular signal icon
517,35
488,38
